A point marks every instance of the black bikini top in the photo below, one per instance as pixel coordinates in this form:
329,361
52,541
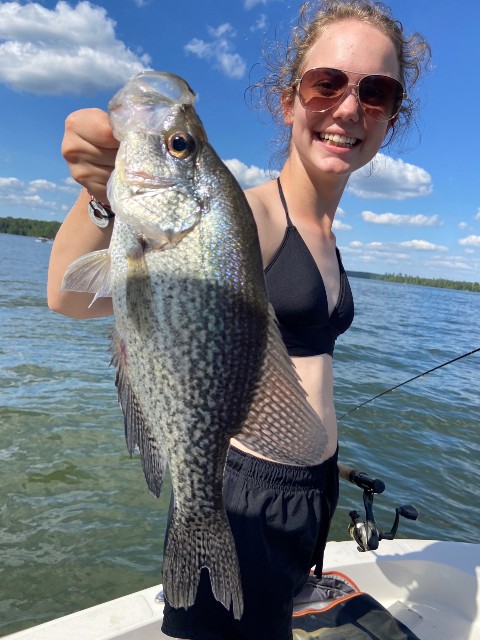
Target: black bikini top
297,293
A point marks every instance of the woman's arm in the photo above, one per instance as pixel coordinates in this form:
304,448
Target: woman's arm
89,149
77,236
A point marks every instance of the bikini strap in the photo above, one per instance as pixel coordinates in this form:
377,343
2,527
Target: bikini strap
284,202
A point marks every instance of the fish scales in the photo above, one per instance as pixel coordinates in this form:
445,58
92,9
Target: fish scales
205,358
198,353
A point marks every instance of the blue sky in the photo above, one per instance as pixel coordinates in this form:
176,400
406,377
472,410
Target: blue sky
419,211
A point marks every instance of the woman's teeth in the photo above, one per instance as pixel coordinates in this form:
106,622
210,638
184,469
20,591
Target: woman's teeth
340,141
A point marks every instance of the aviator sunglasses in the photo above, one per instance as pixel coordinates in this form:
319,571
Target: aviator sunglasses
322,89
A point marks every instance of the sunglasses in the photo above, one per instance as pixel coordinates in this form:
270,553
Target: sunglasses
322,89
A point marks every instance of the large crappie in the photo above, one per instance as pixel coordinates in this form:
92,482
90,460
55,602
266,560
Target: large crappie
198,353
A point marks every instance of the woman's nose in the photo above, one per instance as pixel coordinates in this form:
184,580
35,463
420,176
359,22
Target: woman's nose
349,106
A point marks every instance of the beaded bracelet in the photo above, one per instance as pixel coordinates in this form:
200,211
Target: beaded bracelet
100,212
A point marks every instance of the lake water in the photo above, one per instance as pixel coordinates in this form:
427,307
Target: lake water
78,525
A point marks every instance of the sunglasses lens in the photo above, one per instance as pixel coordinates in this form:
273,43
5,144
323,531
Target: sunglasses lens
381,97
320,88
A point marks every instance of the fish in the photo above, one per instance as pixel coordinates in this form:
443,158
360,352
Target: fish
198,353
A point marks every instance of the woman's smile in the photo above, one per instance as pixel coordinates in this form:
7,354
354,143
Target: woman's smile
337,140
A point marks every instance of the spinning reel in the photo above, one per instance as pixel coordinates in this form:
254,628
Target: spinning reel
366,533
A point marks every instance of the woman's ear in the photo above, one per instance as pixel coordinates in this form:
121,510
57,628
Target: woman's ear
287,100
391,124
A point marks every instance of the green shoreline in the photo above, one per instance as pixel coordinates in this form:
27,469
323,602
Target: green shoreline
26,227
440,283
40,228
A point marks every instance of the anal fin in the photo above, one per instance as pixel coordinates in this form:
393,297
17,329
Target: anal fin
137,430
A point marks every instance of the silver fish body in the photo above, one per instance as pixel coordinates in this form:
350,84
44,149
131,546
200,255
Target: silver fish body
191,324
198,354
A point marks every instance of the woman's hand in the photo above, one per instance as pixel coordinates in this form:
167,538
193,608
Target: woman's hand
89,149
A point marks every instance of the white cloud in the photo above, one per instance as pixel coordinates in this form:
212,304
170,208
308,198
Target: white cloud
392,247
397,219
422,245
42,185
338,225
28,197
386,251
454,263
7,184
463,225
470,241
260,24
385,177
249,4
62,50
247,176
219,51
477,217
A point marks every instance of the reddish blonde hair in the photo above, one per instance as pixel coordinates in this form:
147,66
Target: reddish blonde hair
286,63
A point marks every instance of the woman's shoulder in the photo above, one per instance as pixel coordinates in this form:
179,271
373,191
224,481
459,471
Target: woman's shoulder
262,201
267,211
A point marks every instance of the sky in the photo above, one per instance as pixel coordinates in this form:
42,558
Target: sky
415,211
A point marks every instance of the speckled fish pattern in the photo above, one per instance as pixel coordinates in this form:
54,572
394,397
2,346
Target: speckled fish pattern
197,350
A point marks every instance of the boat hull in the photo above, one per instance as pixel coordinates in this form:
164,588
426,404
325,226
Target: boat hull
431,586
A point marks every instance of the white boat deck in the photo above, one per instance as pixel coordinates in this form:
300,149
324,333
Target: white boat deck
433,587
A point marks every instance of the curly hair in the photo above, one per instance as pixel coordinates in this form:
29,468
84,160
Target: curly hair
286,63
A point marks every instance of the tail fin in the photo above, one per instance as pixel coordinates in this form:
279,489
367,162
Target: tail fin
189,548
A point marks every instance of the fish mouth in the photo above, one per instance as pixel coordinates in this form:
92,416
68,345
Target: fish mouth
142,180
138,197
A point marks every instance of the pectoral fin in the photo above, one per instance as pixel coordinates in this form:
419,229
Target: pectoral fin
89,274
281,424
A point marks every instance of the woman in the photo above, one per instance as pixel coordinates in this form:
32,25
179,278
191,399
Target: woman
340,92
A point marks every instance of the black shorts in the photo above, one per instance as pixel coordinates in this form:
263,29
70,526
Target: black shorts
280,516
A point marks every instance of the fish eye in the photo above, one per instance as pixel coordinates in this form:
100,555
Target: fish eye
181,144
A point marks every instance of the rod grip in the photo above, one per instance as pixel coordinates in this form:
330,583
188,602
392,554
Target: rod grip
361,479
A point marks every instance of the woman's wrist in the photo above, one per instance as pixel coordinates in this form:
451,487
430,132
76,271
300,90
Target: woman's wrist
100,213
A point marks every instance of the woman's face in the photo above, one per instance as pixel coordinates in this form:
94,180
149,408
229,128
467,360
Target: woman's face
349,45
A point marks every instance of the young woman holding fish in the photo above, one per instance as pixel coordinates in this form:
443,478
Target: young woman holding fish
340,91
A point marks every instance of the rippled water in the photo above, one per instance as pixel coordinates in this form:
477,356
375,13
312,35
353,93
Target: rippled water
78,525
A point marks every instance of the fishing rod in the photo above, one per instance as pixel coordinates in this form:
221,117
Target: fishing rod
420,375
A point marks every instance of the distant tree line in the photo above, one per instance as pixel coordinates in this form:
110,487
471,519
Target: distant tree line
41,228
426,282
25,227
443,283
